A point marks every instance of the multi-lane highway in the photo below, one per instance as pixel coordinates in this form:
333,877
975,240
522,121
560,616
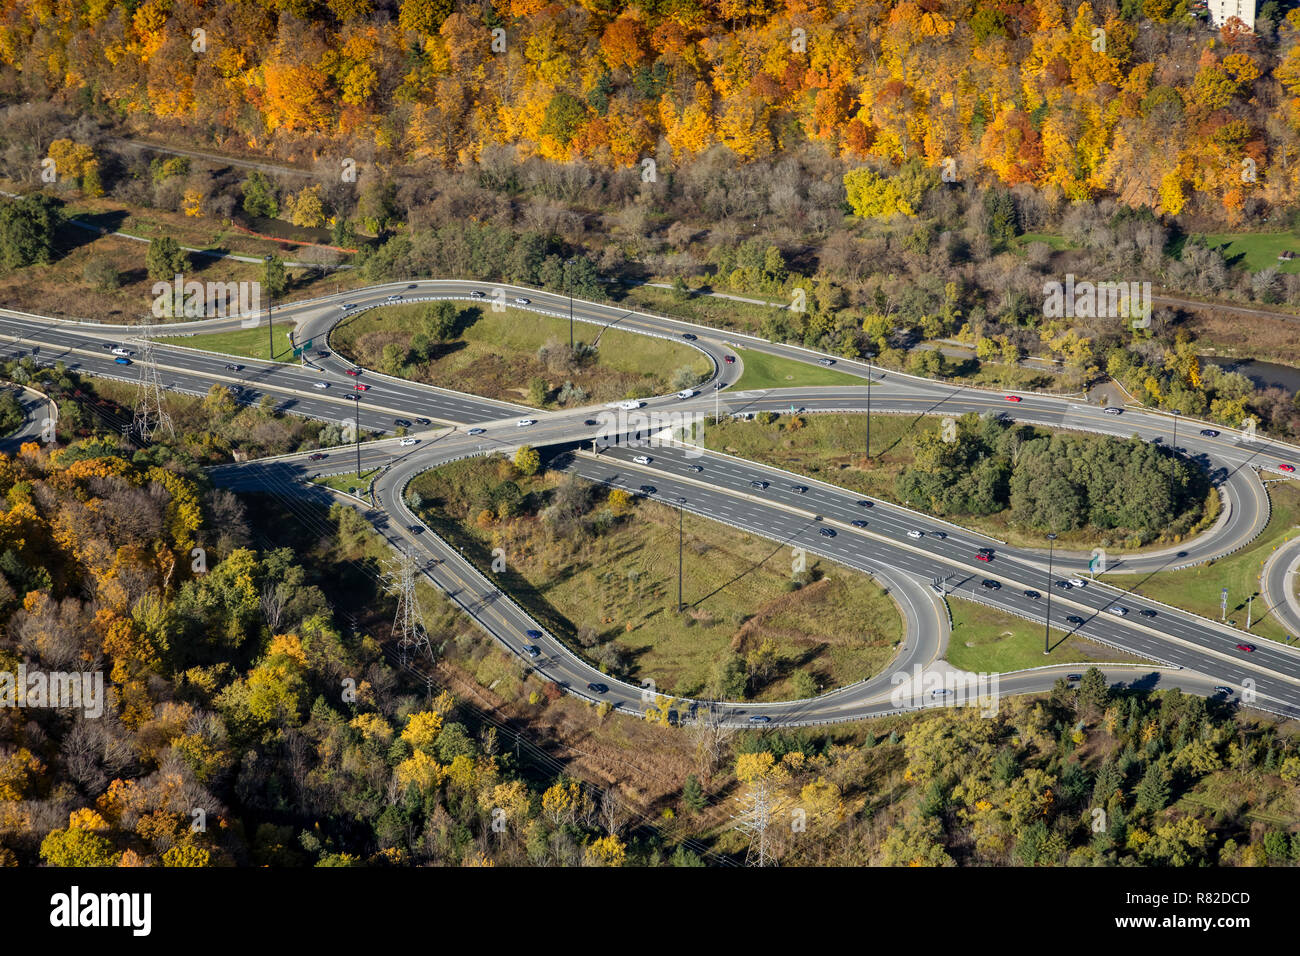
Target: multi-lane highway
1200,654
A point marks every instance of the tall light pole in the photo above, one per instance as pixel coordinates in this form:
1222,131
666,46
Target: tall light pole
868,406
568,287
1047,621
1173,464
357,430
681,507
270,338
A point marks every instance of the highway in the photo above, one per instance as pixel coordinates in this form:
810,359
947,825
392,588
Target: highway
723,488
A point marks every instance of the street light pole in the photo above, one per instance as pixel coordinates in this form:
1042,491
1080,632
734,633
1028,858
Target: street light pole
357,431
681,507
1047,621
270,336
1173,464
868,406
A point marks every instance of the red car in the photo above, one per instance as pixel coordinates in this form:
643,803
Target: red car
984,556
729,359
1246,647
361,388
1287,468
352,371
1013,398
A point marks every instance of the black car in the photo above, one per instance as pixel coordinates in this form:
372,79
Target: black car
108,345
865,504
317,457
1209,433
424,421
321,353
589,421
1032,595
1147,612
688,336
598,688
647,489
697,468
234,368
402,422
1074,678
991,584
417,529
827,532
859,523
760,485
798,489
1064,585
1074,619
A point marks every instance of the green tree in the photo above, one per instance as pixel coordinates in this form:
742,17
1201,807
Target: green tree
259,196
527,460
27,230
275,279
165,259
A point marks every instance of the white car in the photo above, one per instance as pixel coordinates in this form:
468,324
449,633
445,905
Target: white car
394,297
121,351
1077,582
916,534
630,404
525,422
409,441
686,393
321,385
476,294
1117,610
520,300
642,459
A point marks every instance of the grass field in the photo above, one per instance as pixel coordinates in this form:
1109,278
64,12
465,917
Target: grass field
1198,589
703,309
985,640
349,482
497,354
619,587
249,343
831,447
772,371
1255,250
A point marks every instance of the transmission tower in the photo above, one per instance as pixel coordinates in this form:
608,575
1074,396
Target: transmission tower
408,623
150,412
756,812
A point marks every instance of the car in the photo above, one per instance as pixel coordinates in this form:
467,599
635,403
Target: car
1118,610
532,650
941,691
760,485
423,421
122,361
991,584
1074,619
409,441
1147,612
1287,468
1077,582
533,634
859,523
1063,585
1224,690
697,468
352,371
982,556
317,457
598,688
1248,648
349,305
1032,595
416,529
525,422
108,345
648,489
688,336
321,385
477,431
118,350
915,534
826,362
729,359
827,532
1209,433
642,459
938,534
589,421
799,489
1013,398
520,300
360,388
1112,410
865,504
760,719
353,398
988,551
402,422
394,297
321,353
686,393
1074,678
234,368
476,294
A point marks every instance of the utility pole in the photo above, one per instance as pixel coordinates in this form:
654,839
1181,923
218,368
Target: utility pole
408,623
754,819
270,336
868,406
1173,465
1047,621
356,430
1249,602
